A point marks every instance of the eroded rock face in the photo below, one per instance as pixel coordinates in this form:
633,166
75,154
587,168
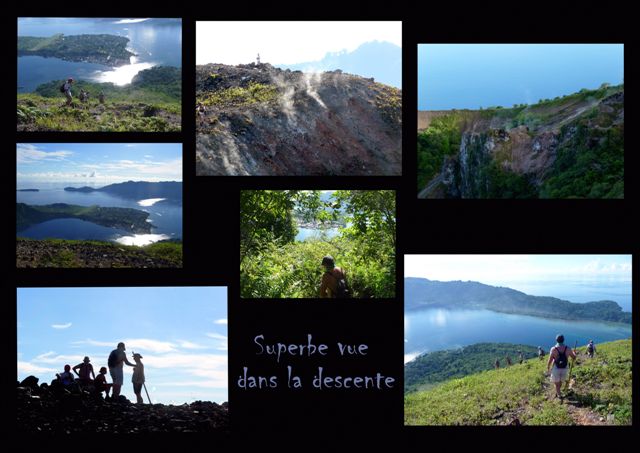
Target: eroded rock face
46,409
259,120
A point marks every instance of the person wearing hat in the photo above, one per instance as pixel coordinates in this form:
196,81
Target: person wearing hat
84,371
138,378
333,280
67,90
559,358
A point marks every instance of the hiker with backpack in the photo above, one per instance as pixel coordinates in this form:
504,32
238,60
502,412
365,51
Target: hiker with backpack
116,361
591,349
496,364
84,371
138,378
66,89
334,280
520,357
540,353
559,358
508,360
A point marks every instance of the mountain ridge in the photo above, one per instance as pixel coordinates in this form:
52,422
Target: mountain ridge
425,293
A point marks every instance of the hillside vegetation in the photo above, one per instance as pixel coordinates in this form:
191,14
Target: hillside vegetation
600,393
150,103
274,265
429,369
568,147
93,254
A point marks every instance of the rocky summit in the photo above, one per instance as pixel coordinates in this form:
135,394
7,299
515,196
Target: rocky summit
259,120
44,409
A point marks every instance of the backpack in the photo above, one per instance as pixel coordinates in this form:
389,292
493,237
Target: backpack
62,90
561,360
113,358
342,289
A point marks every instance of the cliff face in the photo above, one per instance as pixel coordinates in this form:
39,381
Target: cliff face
259,120
568,147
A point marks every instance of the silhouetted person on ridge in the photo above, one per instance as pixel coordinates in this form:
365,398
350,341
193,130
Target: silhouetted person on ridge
100,383
138,378
84,371
559,358
116,361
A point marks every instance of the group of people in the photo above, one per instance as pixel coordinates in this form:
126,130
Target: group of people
496,364
88,380
557,364
84,95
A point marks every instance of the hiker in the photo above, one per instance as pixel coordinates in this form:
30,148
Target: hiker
559,358
591,349
65,378
101,97
540,353
497,364
334,280
100,383
201,110
83,96
66,89
85,371
520,357
116,361
508,360
138,378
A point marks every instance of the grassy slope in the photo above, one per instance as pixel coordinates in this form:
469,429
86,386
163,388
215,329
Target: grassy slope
602,385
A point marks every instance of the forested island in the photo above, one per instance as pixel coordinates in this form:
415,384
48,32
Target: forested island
127,219
108,50
424,293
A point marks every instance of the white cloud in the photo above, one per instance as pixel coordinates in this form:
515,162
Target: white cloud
216,336
61,326
190,345
27,368
222,321
143,344
28,153
60,359
240,42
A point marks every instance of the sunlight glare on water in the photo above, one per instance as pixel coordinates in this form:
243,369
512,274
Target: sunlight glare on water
141,240
122,75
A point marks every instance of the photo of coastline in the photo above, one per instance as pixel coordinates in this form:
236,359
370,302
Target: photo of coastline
99,74
517,340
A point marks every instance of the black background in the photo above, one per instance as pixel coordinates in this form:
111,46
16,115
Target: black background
306,418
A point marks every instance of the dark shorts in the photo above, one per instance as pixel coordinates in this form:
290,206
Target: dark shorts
137,388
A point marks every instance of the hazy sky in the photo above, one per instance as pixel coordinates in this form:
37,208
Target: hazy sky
184,345
501,269
286,42
483,75
105,163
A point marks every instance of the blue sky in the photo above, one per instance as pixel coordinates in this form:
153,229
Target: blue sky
459,76
180,332
98,163
497,269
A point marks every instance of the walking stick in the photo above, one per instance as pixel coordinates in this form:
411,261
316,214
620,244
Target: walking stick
145,391
566,387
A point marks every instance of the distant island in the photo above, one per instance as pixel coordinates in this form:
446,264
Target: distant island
127,219
138,190
28,190
423,293
108,50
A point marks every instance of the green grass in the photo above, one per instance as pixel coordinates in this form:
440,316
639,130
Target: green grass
254,93
603,384
167,250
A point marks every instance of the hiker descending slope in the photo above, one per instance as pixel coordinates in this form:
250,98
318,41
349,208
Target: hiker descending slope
540,353
334,280
66,89
559,358
591,349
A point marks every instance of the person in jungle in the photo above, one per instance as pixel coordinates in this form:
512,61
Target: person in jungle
559,359
334,280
